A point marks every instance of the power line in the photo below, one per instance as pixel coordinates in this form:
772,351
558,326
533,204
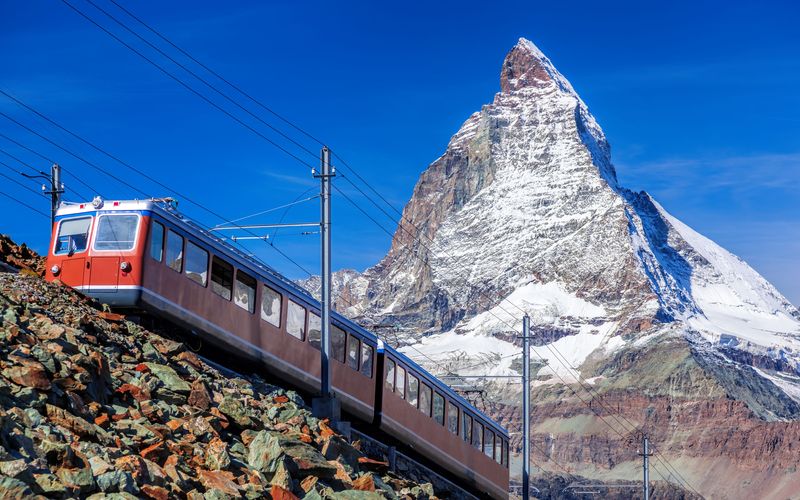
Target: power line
186,86
16,200
229,83
102,170
75,177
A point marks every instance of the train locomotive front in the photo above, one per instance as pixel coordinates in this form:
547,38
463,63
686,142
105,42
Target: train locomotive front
98,249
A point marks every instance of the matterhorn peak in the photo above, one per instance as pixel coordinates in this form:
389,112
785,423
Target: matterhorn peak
527,66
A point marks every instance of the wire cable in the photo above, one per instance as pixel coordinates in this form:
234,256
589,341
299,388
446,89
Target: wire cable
16,200
187,87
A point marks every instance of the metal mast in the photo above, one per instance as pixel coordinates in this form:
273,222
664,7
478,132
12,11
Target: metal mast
526,406
55,191
646,466
325,243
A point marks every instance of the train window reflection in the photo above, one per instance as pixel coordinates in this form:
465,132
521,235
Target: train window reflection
477,434
221,278
390,367
175,251
271,306
425,399
353,348
366,360
314,330
338,338
413,390
157,241
498,450
116,232
488,443
196,268
466,427
438,408
73,235
400,386
452,418
296,320
244,291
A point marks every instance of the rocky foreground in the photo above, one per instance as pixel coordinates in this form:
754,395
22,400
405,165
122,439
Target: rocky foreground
93,405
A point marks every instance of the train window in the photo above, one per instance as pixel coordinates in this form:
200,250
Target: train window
488,443
425,399
196,268
353,349
221,278
296,320
73,236
498,450
366,360
413,390
477,433
452,418
390,369
116,232
438,408
271,306
157,241
338,338
505,453
244,291
175,251
400,386
314,330
466,427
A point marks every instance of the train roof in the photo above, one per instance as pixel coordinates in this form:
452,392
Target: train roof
167,208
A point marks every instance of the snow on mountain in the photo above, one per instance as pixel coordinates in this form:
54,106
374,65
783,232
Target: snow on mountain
524,206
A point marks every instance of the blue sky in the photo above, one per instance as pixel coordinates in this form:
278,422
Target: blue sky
698,99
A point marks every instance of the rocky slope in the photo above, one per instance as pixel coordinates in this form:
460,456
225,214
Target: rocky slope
642,324
92,405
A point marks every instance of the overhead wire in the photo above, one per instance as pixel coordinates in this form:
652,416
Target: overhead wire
64,170
188,87
17,200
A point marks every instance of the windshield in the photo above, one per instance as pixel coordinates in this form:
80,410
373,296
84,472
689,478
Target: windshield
73,235
116,232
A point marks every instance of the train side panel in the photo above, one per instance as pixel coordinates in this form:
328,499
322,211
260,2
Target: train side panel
166,291
434,440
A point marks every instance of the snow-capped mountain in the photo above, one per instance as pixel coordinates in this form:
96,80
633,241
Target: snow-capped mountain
523,214
524,205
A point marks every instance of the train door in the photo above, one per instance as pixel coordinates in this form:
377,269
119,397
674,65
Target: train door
115,238
104,273
70,249
72,272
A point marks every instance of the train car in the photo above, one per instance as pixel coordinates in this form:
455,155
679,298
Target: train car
146,256
429,416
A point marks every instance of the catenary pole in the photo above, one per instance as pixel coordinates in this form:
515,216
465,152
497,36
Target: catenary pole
325,239
56,189
646,466
526,407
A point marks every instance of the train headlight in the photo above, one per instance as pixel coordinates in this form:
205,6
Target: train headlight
55,270
97,202
125,266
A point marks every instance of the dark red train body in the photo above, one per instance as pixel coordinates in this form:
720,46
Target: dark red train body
144,255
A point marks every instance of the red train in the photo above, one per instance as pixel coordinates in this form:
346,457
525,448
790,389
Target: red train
144,255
